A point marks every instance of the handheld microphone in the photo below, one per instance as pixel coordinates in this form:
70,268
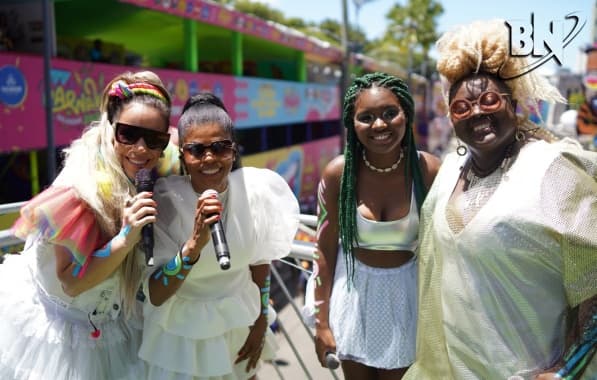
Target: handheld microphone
219,239
144,182
331,360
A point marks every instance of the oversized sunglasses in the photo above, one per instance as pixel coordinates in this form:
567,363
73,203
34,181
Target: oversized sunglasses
221,149
129,134
488,101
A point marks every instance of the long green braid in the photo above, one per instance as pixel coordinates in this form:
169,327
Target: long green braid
353,148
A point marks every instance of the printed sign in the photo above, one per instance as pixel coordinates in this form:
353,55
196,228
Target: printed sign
77,89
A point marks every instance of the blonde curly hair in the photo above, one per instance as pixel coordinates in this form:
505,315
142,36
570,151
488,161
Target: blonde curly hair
484,47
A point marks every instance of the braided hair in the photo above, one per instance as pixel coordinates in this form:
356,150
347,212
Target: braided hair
353,148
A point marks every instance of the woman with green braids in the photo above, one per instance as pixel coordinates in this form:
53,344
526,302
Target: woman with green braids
368,222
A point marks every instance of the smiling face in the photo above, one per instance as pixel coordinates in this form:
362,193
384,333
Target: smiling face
210,168
379,124
483,114
137,156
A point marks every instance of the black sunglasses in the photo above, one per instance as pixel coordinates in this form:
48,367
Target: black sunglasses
222,149
129,134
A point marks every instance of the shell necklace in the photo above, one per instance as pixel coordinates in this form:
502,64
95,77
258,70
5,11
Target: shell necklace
384,170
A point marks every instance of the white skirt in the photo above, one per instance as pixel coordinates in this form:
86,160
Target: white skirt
374,322
233,340
39,339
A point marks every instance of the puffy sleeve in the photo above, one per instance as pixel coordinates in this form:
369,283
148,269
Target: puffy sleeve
569,194
275,212
62,218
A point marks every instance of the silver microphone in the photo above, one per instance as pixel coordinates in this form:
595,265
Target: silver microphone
331,360
219,239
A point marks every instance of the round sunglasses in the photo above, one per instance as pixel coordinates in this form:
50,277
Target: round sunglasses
130,134
488,101
221,149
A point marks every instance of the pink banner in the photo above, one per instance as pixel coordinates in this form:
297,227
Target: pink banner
214,14
76,92
76,89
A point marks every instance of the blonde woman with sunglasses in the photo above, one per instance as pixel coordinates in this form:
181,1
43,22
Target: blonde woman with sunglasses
69,305
508,256
204,319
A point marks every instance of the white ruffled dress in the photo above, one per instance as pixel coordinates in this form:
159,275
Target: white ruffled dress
45,334
197,332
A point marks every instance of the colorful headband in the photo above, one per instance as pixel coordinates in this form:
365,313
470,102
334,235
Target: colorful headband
123,90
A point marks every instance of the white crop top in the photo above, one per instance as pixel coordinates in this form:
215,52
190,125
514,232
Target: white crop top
394,235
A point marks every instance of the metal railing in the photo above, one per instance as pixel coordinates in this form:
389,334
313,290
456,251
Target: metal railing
7,239
301,250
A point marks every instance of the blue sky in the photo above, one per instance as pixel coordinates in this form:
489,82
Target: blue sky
372,16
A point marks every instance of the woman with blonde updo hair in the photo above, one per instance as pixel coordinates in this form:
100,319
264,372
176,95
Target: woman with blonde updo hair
507,263
69,303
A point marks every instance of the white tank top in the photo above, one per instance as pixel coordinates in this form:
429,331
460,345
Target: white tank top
394,235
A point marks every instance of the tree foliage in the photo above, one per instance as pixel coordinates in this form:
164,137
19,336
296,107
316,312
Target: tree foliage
410,34
261,10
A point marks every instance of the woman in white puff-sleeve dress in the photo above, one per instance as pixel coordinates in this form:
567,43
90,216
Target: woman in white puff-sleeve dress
203,322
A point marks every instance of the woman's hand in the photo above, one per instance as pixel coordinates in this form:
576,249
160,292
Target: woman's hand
208,211
138,211
324,343
253,344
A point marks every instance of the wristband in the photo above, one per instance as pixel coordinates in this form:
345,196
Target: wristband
265,296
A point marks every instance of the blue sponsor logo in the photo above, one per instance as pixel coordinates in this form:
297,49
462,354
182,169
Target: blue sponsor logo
13,86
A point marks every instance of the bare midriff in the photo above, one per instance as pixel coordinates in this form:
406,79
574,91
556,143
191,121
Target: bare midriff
382,259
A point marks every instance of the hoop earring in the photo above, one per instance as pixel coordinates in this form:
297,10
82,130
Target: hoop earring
461,150
520,135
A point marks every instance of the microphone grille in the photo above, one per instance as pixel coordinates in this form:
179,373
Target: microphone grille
210,192
144,180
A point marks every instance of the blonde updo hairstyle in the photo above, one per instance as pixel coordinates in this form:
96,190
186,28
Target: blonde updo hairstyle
484,47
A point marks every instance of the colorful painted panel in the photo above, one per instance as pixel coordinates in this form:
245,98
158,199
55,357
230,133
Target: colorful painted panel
77,87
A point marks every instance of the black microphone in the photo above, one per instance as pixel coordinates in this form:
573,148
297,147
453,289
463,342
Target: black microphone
144,182
219,239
